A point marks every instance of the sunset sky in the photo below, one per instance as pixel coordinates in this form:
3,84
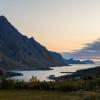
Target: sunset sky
60,25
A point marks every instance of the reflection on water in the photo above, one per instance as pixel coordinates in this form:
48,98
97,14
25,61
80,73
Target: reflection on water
42,75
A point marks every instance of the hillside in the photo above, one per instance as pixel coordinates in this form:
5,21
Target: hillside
90,72
23,53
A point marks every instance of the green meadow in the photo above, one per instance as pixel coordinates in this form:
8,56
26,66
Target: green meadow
23,94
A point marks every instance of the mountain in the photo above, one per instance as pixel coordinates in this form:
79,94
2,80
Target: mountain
23,53
72,61
88,62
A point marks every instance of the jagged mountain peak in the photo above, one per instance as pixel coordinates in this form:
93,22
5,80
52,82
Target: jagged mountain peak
3,18
20,52
7,30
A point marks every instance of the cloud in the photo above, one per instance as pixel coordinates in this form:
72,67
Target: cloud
90,51
95,46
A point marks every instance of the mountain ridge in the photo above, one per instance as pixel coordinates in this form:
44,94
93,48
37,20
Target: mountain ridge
20,52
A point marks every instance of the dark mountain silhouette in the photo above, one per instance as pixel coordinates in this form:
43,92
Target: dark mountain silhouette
20,52
73,61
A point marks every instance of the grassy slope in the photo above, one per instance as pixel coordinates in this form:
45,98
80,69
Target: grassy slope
46,95
89,72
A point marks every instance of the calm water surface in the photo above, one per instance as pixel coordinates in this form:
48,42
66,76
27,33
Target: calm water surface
42,75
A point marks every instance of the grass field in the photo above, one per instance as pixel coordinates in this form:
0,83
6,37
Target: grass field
47,95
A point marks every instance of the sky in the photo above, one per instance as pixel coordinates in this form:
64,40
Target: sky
60,25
